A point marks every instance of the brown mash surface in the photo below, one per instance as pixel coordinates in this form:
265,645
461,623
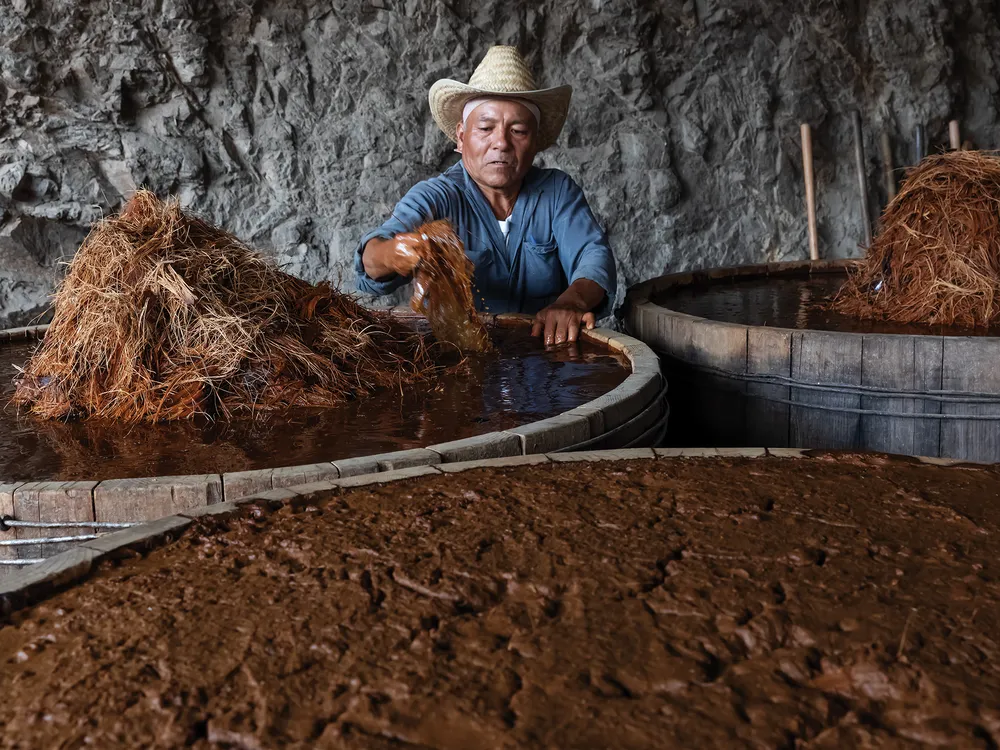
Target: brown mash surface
831,602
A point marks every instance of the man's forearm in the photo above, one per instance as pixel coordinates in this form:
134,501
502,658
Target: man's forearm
583,295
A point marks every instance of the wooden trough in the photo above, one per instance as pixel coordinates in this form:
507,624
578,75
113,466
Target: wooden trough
734,384
60,515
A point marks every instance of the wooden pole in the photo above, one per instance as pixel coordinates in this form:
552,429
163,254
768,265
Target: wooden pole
890,176
859,159
955,135
807,171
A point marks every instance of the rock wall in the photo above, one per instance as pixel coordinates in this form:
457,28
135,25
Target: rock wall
298,128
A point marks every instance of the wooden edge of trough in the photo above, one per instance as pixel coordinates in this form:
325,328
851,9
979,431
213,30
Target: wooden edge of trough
37,582
148,498
640,293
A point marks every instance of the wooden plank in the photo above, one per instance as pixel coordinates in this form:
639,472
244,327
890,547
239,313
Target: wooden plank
52,502
36,582
971,364
715,413
239,484
7,509
288,476
768,353
827,358
902,363
132,500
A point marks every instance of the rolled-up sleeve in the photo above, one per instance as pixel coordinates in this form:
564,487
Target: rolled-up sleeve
584,251
417,207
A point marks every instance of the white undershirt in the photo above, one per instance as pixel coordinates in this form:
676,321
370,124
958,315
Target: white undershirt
504,228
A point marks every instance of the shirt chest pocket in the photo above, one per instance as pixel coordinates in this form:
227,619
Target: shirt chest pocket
543,273
483,275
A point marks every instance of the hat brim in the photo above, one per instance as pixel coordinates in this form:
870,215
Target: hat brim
447,98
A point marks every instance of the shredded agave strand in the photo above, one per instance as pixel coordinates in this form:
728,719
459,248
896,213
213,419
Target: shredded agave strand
162,316
936,256
443,289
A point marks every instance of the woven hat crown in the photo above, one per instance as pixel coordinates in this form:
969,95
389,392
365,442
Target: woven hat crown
503,70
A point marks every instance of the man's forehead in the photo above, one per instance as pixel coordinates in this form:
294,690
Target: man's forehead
494,109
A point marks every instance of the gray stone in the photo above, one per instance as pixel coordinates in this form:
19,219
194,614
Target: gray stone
289,476
387,476
742,452
352,467
495,463
553,434
621,454
51,502
149,498
683,130
239,484
406,459
7,509
142,537
36,581
786,452
491,445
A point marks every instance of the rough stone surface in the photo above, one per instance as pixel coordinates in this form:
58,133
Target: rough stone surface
298,127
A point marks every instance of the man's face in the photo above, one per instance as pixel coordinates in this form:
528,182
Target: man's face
498,143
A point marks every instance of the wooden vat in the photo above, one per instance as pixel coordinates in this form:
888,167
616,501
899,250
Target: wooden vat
735,384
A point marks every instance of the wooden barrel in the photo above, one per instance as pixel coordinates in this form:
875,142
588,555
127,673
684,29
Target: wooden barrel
735,384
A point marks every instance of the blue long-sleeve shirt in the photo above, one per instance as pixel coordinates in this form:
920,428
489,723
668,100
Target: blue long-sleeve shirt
554,239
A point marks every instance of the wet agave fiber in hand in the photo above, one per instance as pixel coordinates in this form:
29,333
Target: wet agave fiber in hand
443,289
936,256
162,316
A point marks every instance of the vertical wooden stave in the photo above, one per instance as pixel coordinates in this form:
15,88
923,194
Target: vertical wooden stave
830,359
7,509
721,347
52,502
769,352
971,364
903,364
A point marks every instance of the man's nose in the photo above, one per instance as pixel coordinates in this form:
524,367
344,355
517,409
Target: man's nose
502,141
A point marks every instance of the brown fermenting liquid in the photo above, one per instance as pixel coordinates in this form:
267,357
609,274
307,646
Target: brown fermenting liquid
443,289
936,257
842,603
520,382
162,317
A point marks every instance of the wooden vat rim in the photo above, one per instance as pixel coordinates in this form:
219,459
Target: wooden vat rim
37,582
602,420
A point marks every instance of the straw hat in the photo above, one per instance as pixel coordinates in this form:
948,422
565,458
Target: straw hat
502,72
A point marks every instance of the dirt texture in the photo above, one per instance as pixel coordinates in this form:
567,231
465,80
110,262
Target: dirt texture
831,602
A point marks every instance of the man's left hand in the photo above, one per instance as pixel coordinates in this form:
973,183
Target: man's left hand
561,323
563,320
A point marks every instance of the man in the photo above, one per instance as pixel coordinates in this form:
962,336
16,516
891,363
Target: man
529,232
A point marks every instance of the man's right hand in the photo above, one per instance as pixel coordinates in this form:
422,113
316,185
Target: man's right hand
396,255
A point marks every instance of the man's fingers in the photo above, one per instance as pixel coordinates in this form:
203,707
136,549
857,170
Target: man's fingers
536,326
572,330
562,328
589,320
550,330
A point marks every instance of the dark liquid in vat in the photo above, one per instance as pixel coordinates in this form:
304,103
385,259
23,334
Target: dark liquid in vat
787,302
521,383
